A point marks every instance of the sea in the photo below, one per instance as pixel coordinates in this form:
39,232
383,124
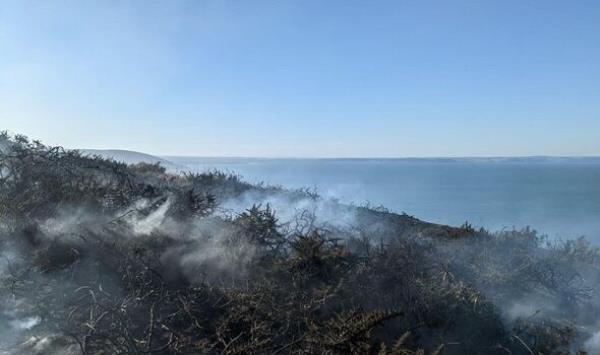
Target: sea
559,197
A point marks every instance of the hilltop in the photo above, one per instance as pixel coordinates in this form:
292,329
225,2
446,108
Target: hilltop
132,157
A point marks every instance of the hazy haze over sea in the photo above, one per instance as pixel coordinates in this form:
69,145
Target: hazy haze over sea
557,196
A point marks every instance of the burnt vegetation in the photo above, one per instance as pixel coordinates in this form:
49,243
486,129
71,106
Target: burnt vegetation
100,257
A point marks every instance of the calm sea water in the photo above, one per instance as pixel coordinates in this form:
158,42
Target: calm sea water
558,198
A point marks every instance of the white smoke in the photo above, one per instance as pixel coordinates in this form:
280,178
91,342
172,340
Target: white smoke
143,225
24,323
287,207
592,345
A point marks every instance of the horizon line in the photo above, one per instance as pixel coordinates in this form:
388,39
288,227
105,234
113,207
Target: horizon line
383,157
533,156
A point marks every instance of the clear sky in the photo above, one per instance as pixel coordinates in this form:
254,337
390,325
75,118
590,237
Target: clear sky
304,78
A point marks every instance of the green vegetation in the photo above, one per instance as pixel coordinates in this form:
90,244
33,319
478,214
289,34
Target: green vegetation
100,257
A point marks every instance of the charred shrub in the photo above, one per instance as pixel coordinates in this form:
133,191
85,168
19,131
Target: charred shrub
100,257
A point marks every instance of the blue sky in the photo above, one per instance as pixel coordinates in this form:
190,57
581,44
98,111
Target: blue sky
304,78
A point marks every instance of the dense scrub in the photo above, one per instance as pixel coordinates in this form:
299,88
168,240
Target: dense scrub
100,257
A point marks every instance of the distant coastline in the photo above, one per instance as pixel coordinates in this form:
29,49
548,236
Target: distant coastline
523,159
172,161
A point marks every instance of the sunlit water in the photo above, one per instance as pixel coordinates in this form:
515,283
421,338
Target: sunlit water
561,199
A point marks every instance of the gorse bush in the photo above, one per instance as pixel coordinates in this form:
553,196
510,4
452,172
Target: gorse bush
99,257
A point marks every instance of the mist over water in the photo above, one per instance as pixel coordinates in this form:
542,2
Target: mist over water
558,198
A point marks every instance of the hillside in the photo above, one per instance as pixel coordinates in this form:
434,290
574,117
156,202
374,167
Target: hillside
102,257
131,157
